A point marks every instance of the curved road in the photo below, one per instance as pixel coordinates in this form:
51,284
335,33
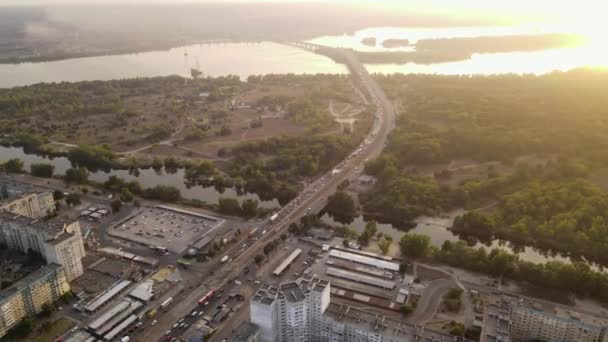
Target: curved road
313,196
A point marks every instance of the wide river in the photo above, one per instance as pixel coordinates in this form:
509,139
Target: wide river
244,59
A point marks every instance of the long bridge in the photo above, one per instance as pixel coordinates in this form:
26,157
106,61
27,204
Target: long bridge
336,54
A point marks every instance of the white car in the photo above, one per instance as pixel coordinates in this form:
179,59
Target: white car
154,322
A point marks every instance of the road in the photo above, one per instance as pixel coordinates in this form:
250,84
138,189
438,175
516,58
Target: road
314,195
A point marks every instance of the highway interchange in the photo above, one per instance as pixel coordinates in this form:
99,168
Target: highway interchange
313,197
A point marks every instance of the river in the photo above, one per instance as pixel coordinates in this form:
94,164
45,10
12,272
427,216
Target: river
244,59
147,178
437,229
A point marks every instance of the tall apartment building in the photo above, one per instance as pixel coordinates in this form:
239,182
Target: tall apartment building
27,296
57,241
302,312
525,320
34,205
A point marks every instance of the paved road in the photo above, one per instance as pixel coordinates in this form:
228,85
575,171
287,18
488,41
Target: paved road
429,302
314,195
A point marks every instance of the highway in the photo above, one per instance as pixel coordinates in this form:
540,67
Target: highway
313,196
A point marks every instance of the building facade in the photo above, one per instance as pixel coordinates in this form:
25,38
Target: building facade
529,323
56,241
28,296
33,205
302,312
524,320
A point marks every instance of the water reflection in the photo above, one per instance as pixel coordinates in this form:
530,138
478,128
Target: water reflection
146,177
436,228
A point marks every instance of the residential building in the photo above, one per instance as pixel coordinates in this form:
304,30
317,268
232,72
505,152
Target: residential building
28,296
56,240
526,320
301,311
34,205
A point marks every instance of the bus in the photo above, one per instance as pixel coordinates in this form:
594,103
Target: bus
166,303
208,296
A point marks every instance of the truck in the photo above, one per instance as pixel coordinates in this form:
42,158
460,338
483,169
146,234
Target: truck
274,217
224,259
252,233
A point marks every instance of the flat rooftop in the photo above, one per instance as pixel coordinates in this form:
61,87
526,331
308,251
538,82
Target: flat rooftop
364,260
287,262
361,278
106,296
172,228
380,324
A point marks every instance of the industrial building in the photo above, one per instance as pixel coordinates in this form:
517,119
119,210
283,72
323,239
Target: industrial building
287,262
56,240
364,260
116,320
104,298
27,296
525,320
34,205
301,311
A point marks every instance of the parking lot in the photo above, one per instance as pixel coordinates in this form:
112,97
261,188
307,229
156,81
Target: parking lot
165,227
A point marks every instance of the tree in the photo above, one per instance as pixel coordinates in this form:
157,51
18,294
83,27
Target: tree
14,165
116,205
47,310
126,195
406,309
57,195
258,259
77,175
163,193
384,244
72,199
414,246
229,206
346,243
42,170
403,266
341,204
4,192
249,207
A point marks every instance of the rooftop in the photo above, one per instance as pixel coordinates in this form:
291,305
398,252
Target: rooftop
53,227
388,327
363,259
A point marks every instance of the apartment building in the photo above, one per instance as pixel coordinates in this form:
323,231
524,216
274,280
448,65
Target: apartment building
526,320
34,205
56,240
302,311
28,296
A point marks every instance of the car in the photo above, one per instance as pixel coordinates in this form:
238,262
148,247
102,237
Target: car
194,313
175,325
168,333
154,322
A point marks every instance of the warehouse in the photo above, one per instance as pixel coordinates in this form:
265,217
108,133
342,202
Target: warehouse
360,278
365,260
287,262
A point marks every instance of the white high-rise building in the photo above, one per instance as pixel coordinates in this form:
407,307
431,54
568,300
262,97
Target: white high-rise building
57,241
34,205
302,312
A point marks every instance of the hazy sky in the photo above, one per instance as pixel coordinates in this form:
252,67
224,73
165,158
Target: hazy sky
587,13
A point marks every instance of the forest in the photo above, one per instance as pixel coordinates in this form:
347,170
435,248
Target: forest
553,203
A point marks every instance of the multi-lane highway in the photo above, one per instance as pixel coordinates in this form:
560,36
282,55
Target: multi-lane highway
313,196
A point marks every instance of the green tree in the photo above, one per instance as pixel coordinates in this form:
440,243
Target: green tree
126,195
385,244
341,204
13,165
258,259
406,309
73,199
415,246
42,170
77,175
116,205
4,192
229,206
249,207
46,310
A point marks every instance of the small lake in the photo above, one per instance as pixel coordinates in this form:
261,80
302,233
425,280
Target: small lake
147,178
437,229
